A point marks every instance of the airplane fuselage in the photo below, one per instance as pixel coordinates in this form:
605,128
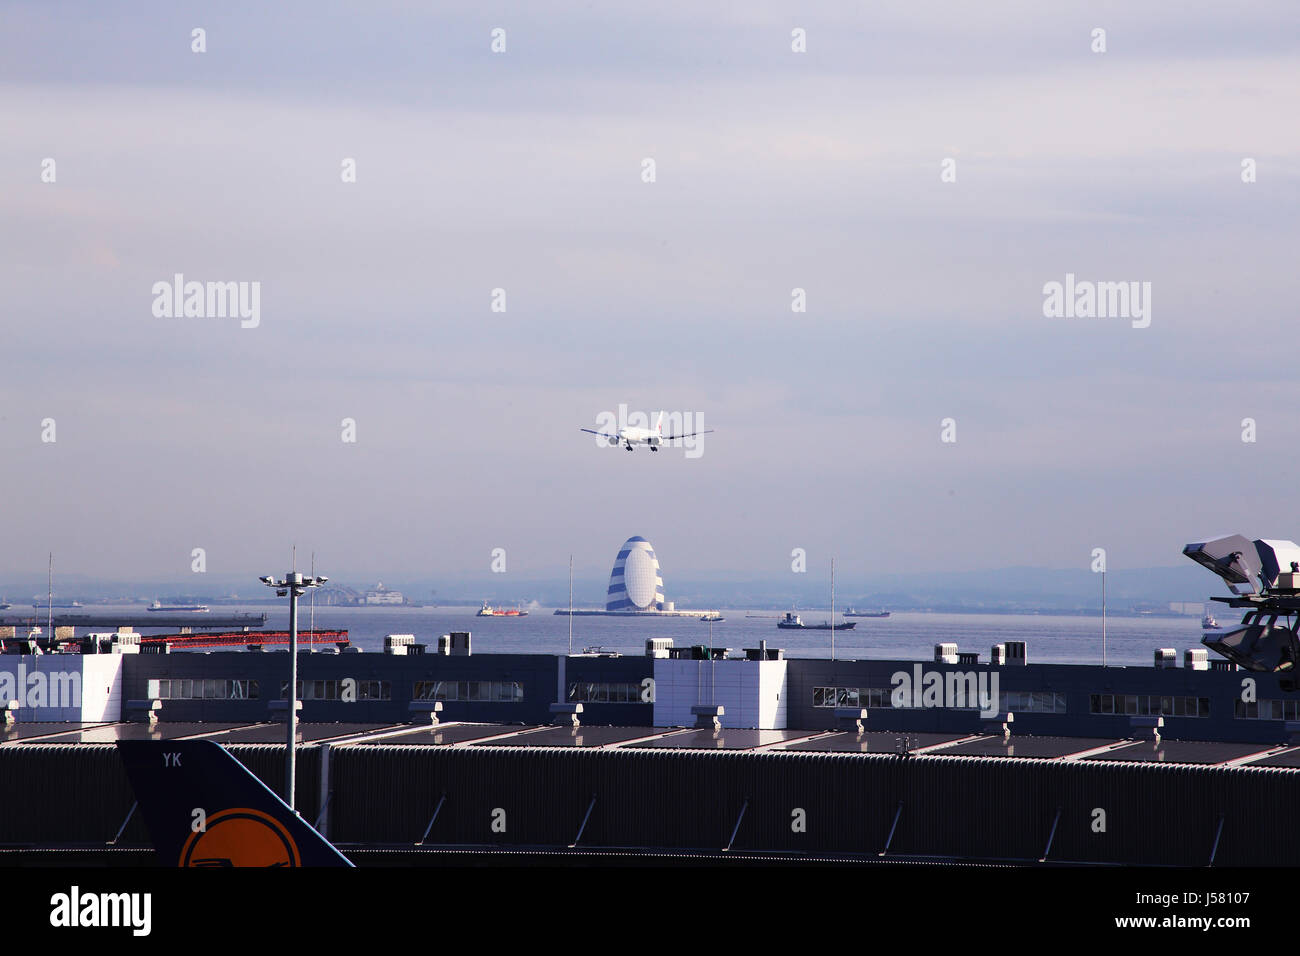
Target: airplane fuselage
629,437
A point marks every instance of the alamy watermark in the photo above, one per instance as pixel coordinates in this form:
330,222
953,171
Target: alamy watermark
628,429
37,689
179,299
954,690
75,908
1098,300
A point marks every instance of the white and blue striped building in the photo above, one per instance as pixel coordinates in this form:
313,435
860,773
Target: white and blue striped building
635,583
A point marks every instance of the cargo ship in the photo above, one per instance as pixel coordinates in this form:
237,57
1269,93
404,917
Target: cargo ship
158,606
854,613
792,622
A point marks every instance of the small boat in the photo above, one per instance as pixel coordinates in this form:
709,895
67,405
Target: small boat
1208,622
169,608
792,622
712,618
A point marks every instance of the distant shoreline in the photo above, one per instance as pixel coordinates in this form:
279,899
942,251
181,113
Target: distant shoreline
25,611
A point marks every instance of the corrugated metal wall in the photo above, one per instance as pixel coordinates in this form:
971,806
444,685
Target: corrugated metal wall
951,806
53,794
266,761
965,807
56,794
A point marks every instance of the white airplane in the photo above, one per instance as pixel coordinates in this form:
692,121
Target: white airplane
630,435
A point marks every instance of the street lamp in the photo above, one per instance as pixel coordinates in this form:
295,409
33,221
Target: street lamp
295,585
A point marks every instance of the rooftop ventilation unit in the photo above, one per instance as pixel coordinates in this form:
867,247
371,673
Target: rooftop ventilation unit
708,716
429,708
999,724
566,714
658,646
851,718
455,644
699,652
1146,728
398,643
145,710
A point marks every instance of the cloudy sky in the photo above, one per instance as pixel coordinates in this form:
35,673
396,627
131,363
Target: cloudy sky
523,170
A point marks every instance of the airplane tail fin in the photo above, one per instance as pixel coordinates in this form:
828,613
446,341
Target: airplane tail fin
659,425
206,809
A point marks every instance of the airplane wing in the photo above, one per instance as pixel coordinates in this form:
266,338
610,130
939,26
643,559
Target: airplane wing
687,435
601,434
204,808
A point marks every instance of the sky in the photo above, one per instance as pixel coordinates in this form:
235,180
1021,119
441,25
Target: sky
826,170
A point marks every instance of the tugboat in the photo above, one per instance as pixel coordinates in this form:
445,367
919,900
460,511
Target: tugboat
792,622
1208,623
713,617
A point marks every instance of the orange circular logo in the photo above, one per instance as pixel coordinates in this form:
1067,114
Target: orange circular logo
241,837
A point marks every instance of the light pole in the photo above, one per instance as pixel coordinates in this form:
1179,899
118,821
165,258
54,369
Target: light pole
295,585
1103,616
832,609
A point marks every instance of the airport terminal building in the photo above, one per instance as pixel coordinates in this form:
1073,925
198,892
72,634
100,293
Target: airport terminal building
757,688
406,755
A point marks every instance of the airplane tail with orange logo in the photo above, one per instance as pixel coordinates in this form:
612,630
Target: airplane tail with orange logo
204,808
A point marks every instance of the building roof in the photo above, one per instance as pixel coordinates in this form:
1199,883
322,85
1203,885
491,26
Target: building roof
873,741
1263,757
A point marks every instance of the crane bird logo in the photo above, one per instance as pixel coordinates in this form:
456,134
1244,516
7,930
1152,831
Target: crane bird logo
241,837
